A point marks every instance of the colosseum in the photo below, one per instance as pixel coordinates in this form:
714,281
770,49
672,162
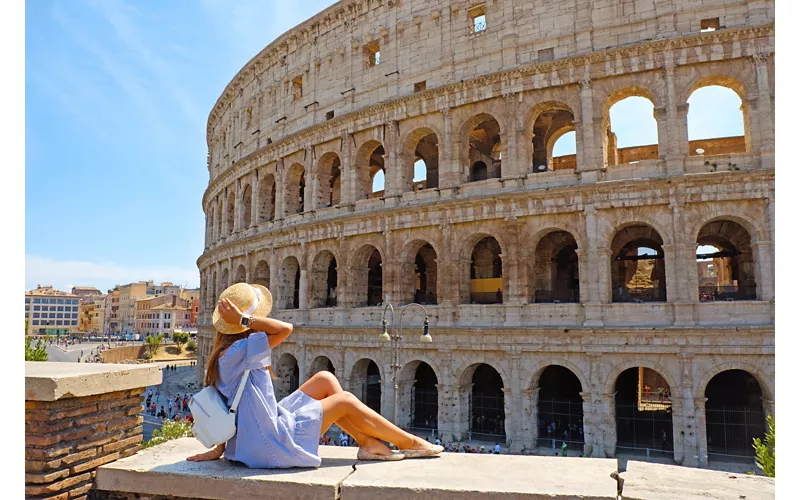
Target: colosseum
616,299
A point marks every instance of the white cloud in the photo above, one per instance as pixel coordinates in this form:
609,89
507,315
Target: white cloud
62,274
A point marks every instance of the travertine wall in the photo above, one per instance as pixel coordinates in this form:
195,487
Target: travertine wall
259,135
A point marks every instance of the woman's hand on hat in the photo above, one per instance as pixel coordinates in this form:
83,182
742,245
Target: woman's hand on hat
229,312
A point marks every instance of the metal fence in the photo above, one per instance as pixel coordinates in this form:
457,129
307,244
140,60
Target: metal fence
644,432
730,431
556,296
374,295
560,421
624,294
727,292
487,416
425,408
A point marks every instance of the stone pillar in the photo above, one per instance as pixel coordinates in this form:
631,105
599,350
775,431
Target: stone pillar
662,130
280,190
695,452
310,174
393,167
511,410
274,279
517,158
682,123
349,172
462,417
303,289
450,148
764,257
238,207
255,198
592,274
601,430
448,411
589,153
672,145
77,419
529,418
766,119
302,362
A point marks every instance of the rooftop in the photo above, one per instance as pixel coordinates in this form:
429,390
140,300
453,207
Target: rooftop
49,291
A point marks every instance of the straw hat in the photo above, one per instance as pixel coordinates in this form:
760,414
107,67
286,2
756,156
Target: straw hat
254,300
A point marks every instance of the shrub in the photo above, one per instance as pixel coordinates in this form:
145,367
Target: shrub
765,451
191,345
180,338
153,343
169,430
37,352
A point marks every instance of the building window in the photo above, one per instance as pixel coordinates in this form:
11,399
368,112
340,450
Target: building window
59,315
372,51
60,301
74,323
37,300
420,86
37,308
35,315
75,315
52,301
27,300
710,24
60,308
36,322
297,88
546,55
52,315
477,18
329,115
27,308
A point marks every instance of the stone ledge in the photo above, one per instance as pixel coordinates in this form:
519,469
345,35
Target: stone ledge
48,381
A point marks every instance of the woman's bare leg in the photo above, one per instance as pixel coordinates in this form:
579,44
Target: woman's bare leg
323,385
366,420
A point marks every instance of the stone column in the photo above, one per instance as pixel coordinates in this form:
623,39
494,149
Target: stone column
529,418
450,147
589,153
766,120
682,123
311,194
349,173
448,411
303,288
695,452
517,159
393,167
274,279
280,190
255,197
673,146
238,206
302,362
592,274
511,410
764,257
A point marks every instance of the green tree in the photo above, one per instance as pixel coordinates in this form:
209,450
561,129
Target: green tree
765,451
37,352
180,338
153,343
191,345
169,430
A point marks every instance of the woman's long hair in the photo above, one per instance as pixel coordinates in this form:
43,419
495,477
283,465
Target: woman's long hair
222,342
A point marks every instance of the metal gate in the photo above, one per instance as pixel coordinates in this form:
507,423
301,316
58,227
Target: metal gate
645,432
730,431
487,416
560,421
424,408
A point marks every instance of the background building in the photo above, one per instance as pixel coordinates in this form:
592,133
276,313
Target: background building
51,312
162,314
193,296
122,318
562,291
91,318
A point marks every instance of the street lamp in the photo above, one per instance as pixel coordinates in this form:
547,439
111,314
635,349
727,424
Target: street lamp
395,345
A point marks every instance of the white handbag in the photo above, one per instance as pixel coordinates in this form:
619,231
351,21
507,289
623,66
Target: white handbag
214,422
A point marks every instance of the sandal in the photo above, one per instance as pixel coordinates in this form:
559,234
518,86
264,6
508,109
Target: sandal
430,452
365,455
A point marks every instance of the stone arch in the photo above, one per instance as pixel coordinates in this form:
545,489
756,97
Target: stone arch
555,274
289,286
247,207
367,273
329,179
542,364
266,198
214,292
220,205
324,280
548,122
719,145
634,276
224,282
558,394
730,272
322,363
231,210
261,273
757,372
294,194
472,291
418,402
616,371
612,155
482,401
482,139
369,161
419,272
421,144
288,373
241,274
210,223
365,382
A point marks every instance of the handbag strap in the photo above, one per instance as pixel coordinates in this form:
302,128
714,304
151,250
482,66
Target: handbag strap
239,391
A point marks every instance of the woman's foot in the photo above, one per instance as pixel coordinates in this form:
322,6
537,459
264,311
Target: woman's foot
374,447
421,448
419,444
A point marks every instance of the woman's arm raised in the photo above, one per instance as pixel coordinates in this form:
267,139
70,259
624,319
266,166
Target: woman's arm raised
277,331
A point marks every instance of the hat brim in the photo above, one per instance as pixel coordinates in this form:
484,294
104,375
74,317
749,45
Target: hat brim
263,310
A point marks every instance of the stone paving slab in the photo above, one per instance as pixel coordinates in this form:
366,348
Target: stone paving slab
647,481
164,471
453,476
46,381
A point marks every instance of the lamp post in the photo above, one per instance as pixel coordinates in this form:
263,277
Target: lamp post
395,345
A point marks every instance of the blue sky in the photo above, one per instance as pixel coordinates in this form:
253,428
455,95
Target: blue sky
117,98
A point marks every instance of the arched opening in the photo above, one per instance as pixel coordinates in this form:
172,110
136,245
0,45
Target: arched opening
734,415
247,205
288,373
225,282
425,273
290,283
375,279
210,228
261,274
716,121
551,126
367,383
485,150
322,364
330,180
231,215
643,409
487,405
241,274
631,130
486,273
637,265
725,267
425,398
266,209
555,271
324,280
369,163
560,409
214,292
367,274
294,199
425,167
219,219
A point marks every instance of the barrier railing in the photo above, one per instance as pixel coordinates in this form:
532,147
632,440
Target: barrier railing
727,292
556,296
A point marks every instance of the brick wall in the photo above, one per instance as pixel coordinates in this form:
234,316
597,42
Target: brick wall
67,439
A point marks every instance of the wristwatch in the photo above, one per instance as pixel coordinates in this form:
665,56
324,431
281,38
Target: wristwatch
245,320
